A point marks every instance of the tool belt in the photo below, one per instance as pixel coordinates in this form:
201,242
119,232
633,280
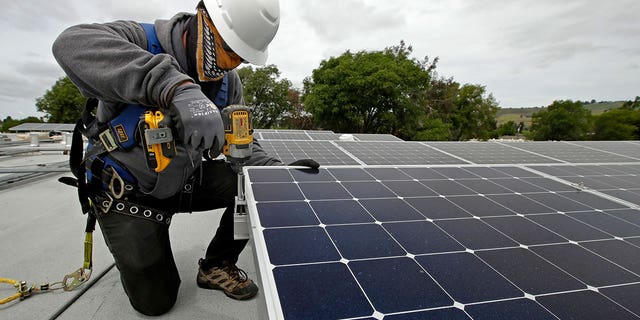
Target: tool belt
106,204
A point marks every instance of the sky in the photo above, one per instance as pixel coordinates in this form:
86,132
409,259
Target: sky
526,53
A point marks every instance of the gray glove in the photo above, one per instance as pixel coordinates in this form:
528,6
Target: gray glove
196,119
310,163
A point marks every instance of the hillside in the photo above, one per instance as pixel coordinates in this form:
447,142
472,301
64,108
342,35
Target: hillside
524,114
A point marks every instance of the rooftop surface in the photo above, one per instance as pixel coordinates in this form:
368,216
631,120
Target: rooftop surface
42,228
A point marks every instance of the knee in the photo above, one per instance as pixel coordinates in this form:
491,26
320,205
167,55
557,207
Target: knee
150,278
154,306
152,294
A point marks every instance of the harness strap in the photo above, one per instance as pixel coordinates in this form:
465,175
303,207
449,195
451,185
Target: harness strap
107,205
222,97
76,162
153,44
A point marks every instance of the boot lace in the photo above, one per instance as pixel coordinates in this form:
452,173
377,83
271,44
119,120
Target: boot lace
236,273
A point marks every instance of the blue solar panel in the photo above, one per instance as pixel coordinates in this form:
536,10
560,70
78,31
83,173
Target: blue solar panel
420,242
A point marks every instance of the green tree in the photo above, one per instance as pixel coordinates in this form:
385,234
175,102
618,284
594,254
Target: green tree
562,120
298,117
475,116
440,108
433,129
266,94
369,92
63,103
508,128
468,110
633,105
617,124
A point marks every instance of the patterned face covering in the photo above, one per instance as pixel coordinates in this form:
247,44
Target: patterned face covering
214,58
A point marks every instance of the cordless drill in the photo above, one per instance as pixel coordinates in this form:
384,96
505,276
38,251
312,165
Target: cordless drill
238,133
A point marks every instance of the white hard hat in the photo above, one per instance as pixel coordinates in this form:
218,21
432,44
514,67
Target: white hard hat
247,26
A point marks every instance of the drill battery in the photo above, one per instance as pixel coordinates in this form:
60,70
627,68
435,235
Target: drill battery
157,140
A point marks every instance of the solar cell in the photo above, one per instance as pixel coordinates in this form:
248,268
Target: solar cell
533,274
466,278
626,296
573,258
568,227
518,309
342,299
584,305
453,242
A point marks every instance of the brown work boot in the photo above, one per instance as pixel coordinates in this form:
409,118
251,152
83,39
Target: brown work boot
230,279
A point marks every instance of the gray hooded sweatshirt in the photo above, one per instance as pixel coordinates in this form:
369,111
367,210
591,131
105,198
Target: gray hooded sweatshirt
110,62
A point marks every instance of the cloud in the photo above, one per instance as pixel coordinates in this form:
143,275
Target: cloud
555,31
526,52
38,15
335,20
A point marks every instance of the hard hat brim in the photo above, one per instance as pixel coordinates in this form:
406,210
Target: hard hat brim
246,27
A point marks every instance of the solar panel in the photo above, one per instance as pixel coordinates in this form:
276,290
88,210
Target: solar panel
43,127
375,137
283,136
489,153
282,130
324,152
624,148
330,136
569,152
616,180
264,130
396,153
465,242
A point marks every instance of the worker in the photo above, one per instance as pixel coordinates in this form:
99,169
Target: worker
183,67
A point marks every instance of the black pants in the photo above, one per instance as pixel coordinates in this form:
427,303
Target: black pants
142,250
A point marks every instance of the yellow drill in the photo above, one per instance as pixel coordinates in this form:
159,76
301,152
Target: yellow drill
238,133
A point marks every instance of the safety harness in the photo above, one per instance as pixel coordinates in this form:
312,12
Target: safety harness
100,174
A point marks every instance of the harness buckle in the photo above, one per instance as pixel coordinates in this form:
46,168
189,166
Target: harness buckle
105,205
108,141
116,184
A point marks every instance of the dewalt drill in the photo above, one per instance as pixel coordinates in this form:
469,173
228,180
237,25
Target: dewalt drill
238,133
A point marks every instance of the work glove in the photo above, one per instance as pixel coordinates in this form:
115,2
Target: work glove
196,119
309,163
